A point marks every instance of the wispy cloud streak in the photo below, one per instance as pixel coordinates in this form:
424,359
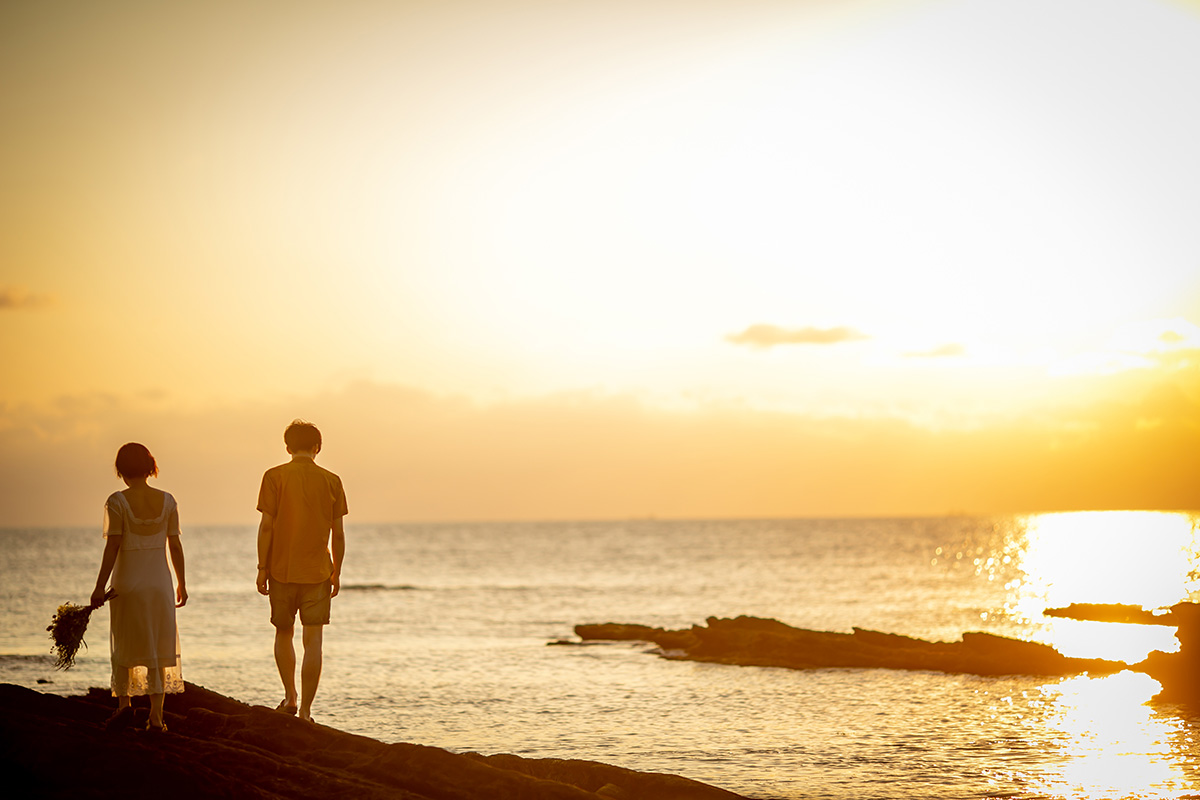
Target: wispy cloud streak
13,298
764,336
944,351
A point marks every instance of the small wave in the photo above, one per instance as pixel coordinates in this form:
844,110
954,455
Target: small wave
377,587
13,658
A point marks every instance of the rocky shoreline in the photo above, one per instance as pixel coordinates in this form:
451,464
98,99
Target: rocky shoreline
218,747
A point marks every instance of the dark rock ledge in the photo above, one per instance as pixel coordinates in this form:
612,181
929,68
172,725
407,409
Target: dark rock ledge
751,641
216,747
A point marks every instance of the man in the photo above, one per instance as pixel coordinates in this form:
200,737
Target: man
302,505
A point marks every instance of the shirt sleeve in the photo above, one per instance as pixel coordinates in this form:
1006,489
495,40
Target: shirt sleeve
114,519
268,495
339,499
173,519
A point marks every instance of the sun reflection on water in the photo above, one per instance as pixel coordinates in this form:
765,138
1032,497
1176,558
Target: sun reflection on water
1136,557
1139,558
1115,642
1111,741
1113,744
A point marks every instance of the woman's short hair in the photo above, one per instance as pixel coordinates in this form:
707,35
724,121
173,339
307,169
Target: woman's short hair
301,435
135,461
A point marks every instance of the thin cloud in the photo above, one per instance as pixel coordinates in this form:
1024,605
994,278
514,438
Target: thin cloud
585,456
766,336
13,298
945,351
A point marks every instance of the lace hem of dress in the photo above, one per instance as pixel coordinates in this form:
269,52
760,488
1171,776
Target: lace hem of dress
139,681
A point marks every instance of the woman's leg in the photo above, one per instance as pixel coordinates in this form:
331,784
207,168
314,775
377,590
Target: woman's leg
122,718
156,699
156,710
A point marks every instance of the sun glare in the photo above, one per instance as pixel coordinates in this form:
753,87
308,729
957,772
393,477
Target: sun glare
1138,558
1135,557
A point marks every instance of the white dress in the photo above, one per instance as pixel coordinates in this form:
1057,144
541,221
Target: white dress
142,633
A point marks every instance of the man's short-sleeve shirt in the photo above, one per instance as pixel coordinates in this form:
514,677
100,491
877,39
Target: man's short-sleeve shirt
304,499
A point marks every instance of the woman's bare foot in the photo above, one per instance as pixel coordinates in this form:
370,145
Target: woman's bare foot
120,720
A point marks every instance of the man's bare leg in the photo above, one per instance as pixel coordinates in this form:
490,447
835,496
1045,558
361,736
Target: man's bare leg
285,660
310,670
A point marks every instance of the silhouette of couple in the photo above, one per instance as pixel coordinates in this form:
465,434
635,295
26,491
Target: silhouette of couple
301,544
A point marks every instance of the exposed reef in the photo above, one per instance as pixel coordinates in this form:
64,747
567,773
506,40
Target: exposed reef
751,641
1114,612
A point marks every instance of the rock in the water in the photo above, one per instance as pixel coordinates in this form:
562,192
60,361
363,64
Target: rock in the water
1110,612
751,641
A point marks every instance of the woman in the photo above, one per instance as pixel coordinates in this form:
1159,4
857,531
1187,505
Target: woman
140,525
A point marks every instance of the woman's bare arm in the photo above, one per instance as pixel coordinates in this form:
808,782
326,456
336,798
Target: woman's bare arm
176,548
112,546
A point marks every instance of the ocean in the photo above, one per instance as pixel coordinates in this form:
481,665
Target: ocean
461,636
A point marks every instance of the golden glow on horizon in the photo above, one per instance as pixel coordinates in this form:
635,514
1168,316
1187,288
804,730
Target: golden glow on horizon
1113,744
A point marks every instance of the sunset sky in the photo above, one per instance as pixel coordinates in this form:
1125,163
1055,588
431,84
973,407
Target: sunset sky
533,259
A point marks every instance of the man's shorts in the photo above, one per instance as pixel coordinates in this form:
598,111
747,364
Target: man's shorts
310,599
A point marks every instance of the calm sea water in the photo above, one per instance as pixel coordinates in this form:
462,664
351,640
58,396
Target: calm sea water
443,634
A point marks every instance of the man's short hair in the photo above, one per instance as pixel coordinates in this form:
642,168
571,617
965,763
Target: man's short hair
134,461
301,435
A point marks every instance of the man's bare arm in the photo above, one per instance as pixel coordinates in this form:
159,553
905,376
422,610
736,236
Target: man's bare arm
339,553
266,530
